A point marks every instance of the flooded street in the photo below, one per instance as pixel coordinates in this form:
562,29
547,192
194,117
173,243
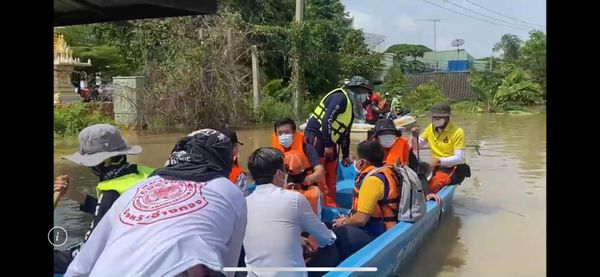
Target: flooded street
498,224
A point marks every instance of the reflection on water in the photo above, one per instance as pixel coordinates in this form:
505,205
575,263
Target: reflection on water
498,224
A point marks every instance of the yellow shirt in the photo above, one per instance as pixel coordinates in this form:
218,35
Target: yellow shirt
370,192
443,144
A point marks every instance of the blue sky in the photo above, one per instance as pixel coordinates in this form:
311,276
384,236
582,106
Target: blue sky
398,20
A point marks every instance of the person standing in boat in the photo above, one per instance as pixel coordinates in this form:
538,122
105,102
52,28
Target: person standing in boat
186,219
447,143
104,151
329,125
237,175
276,219
286,139
372,109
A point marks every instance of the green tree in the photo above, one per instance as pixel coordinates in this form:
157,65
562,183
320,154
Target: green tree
406,57
533,57
395,82
109,46
510,45
505,88
408,50
355,57
423,97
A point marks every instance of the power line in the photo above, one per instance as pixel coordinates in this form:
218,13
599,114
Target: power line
485,15
493,23
516,19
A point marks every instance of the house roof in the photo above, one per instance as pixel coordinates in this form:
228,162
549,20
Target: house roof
455,85
73,12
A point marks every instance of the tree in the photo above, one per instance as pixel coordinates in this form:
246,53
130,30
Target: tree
355,57
110,47
533,57
423,97
405,51
510,45
505,88
408,50
395,82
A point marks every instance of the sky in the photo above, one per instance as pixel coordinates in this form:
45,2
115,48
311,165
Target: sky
399,21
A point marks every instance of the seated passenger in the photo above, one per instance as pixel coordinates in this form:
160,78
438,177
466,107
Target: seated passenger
375,202
277,217
288,141
297,181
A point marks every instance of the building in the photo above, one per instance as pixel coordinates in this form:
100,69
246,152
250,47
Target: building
375,42
454,85
449,61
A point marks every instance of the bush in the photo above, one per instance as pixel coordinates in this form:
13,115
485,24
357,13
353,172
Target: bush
423,97
69,120
270,109
467,106
308,107
276,90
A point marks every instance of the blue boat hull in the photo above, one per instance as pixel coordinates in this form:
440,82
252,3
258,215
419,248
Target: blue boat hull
392,251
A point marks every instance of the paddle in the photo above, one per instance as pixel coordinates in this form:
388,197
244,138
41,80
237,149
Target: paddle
476,146
58,194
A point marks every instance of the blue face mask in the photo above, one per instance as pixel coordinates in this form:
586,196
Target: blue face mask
286,140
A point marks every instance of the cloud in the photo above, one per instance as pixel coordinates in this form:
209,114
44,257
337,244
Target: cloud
406,24
367,22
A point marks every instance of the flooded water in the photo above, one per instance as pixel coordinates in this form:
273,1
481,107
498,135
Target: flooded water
497,226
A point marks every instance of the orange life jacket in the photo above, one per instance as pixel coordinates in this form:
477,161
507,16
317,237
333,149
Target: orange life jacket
387,208
236,170
399,151
297,146
440,179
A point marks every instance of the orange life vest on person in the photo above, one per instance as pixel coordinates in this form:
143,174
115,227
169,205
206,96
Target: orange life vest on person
297,147
399,151
236,170
387,208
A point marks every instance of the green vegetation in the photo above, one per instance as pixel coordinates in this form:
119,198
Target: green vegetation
69,120
423,97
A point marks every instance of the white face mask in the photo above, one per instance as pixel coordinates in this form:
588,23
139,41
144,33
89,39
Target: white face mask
358,165
387,140
286,140
285,177
438,122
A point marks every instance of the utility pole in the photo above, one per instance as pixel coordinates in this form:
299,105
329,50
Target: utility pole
298,73
255,89
435,21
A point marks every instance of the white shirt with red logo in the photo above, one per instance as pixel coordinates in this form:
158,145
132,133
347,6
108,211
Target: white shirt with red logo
162,227
276,219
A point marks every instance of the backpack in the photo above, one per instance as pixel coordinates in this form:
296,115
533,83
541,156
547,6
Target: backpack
413,205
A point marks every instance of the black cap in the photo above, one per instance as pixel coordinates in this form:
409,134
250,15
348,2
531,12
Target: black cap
231,135
385,124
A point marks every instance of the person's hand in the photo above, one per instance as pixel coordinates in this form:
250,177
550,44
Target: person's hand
415,130
61,185
433,196
330,153
347,161
339,222
306,247
435,163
